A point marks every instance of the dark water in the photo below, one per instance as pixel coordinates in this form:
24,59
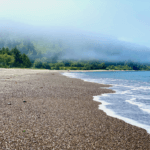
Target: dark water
131,102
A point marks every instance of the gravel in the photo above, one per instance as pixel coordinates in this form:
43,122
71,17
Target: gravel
51,111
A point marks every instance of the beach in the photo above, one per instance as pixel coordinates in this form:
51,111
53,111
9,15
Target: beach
42,109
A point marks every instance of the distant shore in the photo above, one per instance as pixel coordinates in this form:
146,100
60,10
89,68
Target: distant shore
42,109
90,70
62,70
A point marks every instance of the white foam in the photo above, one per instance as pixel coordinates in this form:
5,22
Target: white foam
71,75
113,114
132,87
104,104
140,105
141,87
126,92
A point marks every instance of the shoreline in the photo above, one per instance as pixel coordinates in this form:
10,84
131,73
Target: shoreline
65,70
110,112
60,113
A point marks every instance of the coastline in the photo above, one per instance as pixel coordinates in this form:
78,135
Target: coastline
60,113
109,112
60,70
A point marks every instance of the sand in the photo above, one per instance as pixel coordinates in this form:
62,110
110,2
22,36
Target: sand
42,109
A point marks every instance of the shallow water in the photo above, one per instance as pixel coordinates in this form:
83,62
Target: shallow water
131,102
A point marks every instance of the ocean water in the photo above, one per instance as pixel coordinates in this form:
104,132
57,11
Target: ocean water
131,102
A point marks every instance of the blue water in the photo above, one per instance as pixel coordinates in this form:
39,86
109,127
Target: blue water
131,102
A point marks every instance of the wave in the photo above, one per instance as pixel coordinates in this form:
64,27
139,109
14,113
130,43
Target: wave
141,106
113,114
124,89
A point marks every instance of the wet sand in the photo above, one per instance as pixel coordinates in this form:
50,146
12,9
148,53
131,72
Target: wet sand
42,109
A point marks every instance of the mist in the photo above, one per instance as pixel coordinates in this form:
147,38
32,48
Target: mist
104,30
73,44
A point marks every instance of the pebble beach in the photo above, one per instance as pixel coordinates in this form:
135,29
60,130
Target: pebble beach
44,110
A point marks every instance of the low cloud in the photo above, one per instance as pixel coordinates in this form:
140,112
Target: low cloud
72,43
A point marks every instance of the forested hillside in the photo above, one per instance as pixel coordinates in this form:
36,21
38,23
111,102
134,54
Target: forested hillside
25,46
35,49
14,58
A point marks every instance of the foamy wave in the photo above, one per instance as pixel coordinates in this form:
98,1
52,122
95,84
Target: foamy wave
72,75
140,105
113,114
126,92
122,88
142,88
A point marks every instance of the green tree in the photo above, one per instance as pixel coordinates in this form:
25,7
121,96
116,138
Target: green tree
87,67
37,64
5,51
6,60
26,61
18,58
101,66
57,67
111,67
46,65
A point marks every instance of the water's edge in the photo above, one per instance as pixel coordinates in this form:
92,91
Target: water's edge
109,112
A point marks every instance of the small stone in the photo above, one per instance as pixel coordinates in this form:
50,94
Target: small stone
9,103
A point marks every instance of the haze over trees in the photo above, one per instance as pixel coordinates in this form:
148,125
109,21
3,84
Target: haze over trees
60,48
14,58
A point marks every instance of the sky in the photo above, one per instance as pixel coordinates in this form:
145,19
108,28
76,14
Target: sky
126,20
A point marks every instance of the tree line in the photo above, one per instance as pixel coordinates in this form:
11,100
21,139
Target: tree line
87,65
14,59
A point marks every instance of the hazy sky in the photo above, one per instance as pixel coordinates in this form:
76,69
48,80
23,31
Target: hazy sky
126,20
